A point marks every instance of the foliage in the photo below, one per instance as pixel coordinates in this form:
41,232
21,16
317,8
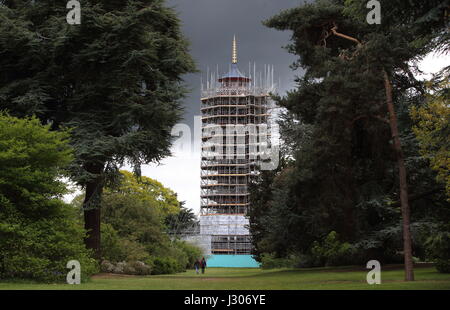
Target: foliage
121,96
148,190
40,250
183,253
340,165
193,253
269,261
433,130
39,233
115,79
166,265
134,217
438,247
118,249
134,267
182,222
32,159
331,252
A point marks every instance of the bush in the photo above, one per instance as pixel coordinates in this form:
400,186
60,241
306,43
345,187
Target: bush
331,252
192,253
110,244
141,268
443,265
39,233
119,249
107,266
40,250
165,265
269,261
438,249
133,230
303,261
124,254
136,267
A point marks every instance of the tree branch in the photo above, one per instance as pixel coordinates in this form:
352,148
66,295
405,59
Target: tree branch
334,31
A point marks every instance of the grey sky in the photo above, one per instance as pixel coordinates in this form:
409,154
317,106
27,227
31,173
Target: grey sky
210,25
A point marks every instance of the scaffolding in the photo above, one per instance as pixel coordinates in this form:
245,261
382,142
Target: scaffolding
236,129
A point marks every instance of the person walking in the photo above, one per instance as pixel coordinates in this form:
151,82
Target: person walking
203,265
197,265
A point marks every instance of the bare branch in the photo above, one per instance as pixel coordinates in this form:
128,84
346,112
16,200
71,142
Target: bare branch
334,31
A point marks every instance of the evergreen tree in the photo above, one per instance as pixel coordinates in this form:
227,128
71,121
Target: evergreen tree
356,74
184,221
115,79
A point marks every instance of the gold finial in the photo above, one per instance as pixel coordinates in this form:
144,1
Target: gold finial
234,58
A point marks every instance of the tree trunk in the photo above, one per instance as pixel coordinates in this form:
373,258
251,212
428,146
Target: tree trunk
407,244
91,206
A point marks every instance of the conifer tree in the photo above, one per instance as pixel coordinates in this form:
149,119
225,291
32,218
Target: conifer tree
355,73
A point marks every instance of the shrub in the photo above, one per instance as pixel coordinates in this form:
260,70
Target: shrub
107,266
438,249
331,252
183,253
269,261
443,265
303,261
110,244
141,268
133,229
118,249
192,252
165,265
39,233
40,250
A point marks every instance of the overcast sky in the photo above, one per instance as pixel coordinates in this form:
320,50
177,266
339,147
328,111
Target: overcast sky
210,25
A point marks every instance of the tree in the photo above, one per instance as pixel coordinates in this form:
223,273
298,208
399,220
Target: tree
39,233
433,129
162,199
115,80
135,214
183,222
354,71
137,221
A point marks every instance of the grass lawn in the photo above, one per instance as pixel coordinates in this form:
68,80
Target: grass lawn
344,278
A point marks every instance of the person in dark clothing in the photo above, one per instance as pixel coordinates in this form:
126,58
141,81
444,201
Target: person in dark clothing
197,265
203,265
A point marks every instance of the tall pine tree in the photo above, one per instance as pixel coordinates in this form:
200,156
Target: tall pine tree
355,75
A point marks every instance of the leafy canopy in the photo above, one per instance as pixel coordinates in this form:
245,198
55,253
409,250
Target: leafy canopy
39,233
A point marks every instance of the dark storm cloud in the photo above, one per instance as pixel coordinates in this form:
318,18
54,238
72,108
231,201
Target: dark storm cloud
210,25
